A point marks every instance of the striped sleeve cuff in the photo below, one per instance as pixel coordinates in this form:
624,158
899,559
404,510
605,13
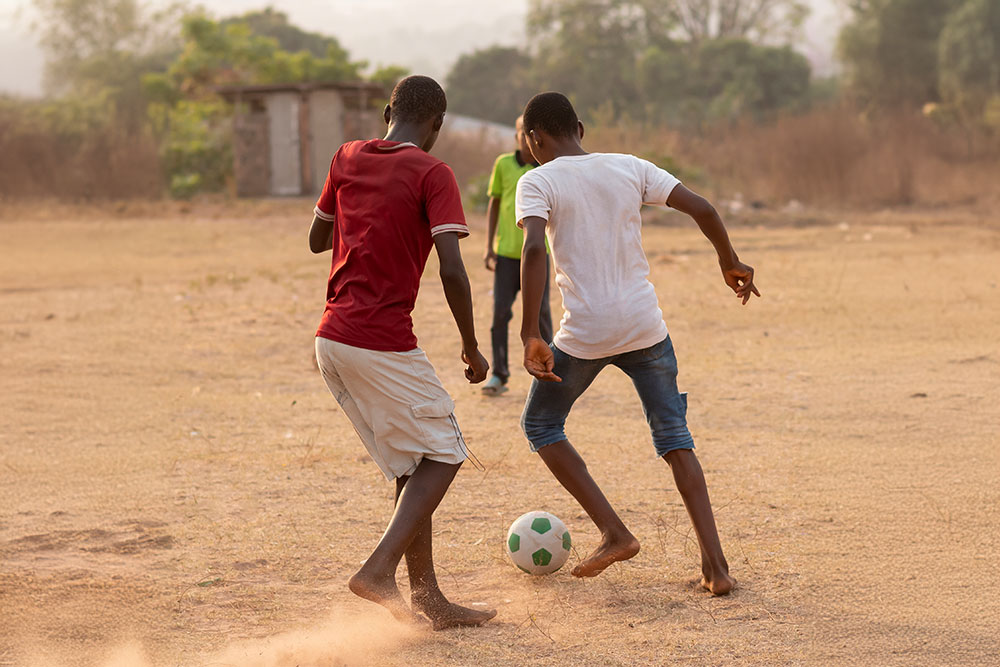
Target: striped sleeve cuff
323,215
461,229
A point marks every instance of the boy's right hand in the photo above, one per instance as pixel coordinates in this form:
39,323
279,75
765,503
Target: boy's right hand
477,368
490,259
539,361
739,277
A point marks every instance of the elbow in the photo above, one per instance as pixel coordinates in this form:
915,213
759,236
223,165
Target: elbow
532,249
703,210
315,247
452,275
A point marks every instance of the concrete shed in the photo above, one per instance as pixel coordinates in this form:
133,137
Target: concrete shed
284,135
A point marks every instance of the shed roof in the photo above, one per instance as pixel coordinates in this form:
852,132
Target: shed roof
370,87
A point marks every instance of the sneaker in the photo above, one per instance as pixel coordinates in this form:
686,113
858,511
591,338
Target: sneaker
494,386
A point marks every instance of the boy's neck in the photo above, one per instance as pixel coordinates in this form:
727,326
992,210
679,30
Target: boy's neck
568,147
405,132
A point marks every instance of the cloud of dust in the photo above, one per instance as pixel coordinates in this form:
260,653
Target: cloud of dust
356,638
127,654
130,654
366,638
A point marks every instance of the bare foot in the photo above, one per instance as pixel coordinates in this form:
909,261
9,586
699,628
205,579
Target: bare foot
444,614
719,583
383,591
611,550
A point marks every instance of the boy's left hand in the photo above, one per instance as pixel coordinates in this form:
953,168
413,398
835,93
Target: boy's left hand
478,367
739,277
539,360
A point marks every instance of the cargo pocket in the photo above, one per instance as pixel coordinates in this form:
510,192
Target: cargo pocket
443,407
442,427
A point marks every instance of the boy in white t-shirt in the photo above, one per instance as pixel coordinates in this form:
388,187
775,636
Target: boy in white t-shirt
588,205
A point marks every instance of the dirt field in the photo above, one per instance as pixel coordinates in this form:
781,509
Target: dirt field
178,487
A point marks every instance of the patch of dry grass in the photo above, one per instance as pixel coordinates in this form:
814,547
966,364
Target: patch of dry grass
832,157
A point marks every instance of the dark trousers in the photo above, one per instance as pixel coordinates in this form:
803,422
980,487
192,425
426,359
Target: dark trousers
506,285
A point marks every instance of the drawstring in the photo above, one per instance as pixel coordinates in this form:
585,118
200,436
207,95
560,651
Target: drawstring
476,463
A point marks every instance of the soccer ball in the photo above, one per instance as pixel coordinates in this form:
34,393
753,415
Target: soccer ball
538,543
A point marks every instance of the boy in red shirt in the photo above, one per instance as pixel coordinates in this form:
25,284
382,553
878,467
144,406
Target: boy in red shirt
385,203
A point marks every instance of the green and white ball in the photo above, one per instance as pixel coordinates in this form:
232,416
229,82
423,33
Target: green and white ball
538,543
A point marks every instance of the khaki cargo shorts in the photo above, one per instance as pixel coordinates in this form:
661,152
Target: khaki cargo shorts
397,405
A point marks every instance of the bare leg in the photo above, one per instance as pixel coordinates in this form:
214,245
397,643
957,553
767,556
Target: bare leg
690,482
376,580
425,595
617,542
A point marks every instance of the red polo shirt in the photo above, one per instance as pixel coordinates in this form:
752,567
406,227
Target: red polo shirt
386,200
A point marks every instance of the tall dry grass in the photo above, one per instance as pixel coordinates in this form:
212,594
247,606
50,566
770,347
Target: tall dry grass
471,156
106,164
828,157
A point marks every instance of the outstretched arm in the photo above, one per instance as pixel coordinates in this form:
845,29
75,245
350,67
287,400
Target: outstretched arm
459,295
320,235
538,359
738,276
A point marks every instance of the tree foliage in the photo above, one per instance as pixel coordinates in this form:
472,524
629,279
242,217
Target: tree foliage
272,23
722,80
634,58
696,21
589,48
492,84
969,61
890,50
101,49
225,53
942,54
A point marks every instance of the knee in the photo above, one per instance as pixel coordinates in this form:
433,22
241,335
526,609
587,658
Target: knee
541,431
502,316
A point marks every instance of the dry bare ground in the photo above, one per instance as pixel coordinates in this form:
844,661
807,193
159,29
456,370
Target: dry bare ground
178,488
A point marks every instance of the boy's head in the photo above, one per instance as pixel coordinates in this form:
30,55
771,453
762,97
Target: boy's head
550,122
522,139
420,101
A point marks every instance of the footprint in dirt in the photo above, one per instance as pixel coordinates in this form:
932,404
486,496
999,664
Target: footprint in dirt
130,537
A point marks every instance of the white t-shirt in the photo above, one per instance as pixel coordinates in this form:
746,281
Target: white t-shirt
592,203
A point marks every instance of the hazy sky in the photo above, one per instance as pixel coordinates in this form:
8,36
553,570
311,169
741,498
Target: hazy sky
424,35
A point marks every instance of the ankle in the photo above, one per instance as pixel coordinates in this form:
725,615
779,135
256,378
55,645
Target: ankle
715,567
617,534
427,595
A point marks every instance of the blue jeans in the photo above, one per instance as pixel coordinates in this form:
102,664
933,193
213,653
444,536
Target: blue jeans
653,371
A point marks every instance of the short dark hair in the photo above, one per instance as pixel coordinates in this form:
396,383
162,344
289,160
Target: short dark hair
551,113
416,99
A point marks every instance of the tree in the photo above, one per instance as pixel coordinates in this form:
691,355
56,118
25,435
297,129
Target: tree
589,49
388,76
722,79
969,59
609,53
223,53
492,84
102,48
891,51
272,23
696,21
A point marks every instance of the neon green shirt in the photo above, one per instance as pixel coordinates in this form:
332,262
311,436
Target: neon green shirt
503,184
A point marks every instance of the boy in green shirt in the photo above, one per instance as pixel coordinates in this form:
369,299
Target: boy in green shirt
503,256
